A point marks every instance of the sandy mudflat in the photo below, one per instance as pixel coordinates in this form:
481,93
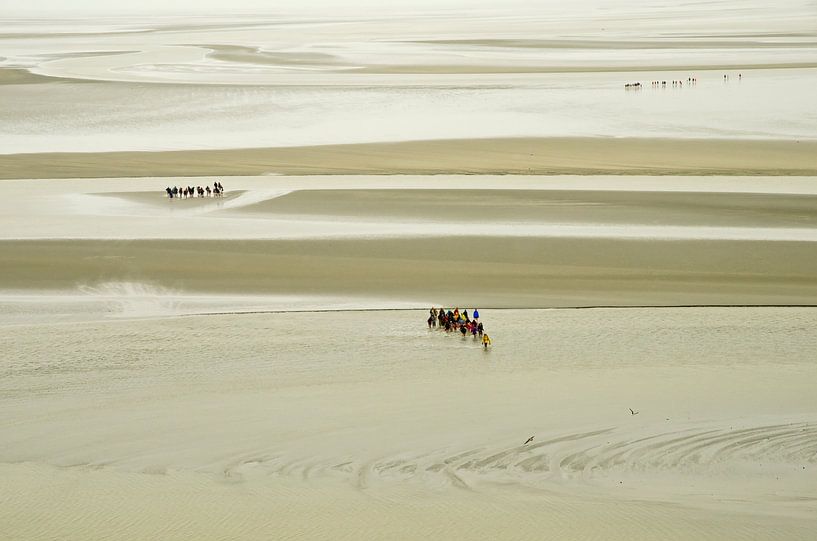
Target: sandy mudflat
532,244
576,156
493,271
258,366
473,203
692,43
455,69
324,426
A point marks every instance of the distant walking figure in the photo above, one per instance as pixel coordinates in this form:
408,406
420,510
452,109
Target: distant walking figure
486,341
476,313
169,192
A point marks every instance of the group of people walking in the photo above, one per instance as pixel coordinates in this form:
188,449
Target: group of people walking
661,84
456,320
677,84
192,191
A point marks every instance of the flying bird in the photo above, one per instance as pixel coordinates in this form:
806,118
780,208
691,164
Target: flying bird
633,412
528,440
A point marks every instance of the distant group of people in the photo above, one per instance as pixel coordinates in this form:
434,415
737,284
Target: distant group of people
192,191
456,320
661,84
676,84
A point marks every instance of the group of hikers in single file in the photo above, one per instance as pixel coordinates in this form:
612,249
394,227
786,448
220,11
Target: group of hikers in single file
456,320
192,191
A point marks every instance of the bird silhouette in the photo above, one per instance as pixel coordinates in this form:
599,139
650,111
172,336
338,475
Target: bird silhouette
528,440
633,412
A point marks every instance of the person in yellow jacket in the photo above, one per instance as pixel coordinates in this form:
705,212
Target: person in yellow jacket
486,340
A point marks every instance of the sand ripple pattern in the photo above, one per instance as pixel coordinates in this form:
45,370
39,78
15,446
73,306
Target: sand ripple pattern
559,461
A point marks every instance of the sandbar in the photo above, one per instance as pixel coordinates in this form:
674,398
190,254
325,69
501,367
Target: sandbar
511,156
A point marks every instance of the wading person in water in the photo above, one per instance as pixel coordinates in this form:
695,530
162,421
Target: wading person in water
486,341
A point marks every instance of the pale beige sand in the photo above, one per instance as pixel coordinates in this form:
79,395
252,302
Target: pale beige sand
472,203
490,271
253,55
440,69
522,156
349,426
159,197
723,43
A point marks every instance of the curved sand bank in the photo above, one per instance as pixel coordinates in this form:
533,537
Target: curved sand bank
514,156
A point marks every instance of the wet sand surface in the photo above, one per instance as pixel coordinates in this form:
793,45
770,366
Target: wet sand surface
554,156
474,204
287,89
493,271
505,242
211,426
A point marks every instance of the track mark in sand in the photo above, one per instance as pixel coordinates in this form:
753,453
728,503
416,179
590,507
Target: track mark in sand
345,467
362,476
456,480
